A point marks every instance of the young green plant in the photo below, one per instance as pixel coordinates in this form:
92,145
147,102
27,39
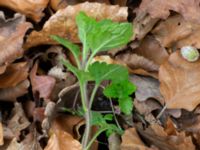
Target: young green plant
97,37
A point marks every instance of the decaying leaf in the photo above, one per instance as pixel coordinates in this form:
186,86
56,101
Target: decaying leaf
12,32
29,143
14,74
60,4
1,134
151,49
32,9
41,83
157,136
132,141
189,9
180,82
114,142
60,139
147,87
62,23
18,120
12,93
174,29
146,107
136,62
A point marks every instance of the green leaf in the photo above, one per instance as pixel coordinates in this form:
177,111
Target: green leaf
102,71
119,89
97,119
85,25
72,47
126,105
107,35
80,74
108,117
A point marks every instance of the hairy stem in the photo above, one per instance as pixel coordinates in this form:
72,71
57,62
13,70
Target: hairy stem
93,95
95,136
84,96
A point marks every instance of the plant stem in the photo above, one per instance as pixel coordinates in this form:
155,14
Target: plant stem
93,95
85,104
94,137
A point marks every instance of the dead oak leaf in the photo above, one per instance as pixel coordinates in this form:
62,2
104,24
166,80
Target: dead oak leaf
63,24
12,32
41,83
180,82
12,93
18,120
189,9
14,74
132,141
157,136
31,8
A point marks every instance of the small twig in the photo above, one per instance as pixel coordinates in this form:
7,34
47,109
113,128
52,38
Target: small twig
161,112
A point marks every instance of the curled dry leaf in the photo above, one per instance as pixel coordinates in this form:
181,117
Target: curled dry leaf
147,87
14,74
138,64
11,94
1,134
41,83
180,82
132,141
60,4
18,120
173,30
189,9
157,136
12,32
60,139
30,8
151,49
62,23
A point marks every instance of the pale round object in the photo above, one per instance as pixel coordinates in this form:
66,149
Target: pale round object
190,53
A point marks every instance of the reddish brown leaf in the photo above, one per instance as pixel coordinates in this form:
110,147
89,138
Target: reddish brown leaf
63,22
132,141
41,83
151,49
32,9
14,74
180,82
189,9
156,135
174,29
11,94
12,32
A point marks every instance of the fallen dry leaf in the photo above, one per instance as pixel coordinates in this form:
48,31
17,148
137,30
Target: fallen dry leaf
60,4
146,107
189,9
14,74
12,93
132,141
62,23
180,82
18,120
30,8
172,30
41,83
157,136
147,87
1,134
12,32
135,61
151,49
60,139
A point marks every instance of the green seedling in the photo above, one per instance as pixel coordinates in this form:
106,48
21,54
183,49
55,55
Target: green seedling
97,37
